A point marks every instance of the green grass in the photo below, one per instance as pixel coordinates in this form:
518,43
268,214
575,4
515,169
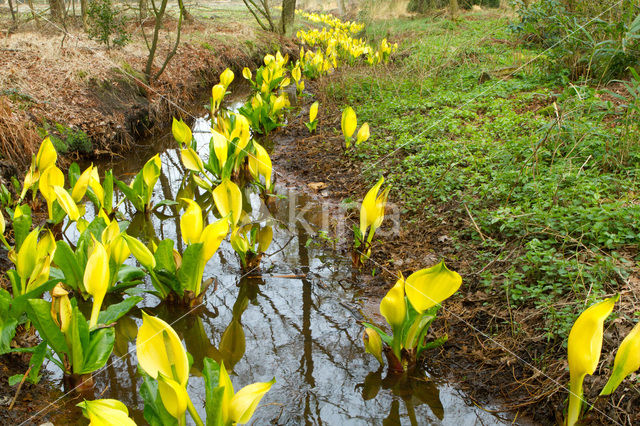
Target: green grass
553,198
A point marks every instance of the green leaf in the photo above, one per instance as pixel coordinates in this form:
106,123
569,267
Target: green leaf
95,228
190,261
18,304
79,335
35,363
15,379
74,174
131,195
165,281
213,393
116,311
39,312
164,256
107,185
99,349
65,260
7,333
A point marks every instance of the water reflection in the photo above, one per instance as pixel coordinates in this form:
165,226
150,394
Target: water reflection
293,318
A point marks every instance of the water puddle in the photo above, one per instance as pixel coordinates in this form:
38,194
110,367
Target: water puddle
295,319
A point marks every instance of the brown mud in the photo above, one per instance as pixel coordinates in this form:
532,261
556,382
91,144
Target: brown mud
494,351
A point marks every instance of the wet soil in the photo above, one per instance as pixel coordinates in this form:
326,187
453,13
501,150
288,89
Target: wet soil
493,351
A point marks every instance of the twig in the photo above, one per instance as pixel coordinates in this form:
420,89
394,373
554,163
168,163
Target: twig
474,222
24,377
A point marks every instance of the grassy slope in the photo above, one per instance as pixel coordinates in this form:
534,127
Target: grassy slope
553,193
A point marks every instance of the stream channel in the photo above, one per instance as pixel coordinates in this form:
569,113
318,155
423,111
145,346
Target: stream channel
295,318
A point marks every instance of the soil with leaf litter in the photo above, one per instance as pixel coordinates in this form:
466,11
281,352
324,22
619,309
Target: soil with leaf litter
486,356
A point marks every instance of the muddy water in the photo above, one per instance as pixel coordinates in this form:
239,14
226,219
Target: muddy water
295,319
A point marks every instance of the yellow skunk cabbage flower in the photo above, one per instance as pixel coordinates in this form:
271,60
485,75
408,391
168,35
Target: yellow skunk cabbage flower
61,309
217,94
372,343
181,132
96,186
228,200
160,351
265,236
191,222
246,73
106,412
583,348
627,360
279,103
46,156
118,249
429,287
296,74
239,407
174,397
27,255
372,209
51,177
212,237
393,307
363,134
348,123
191,160
220,147
151,171
313,111
242,131
30,179
260,164
80,188
226,77
66,202
96,279
140,252
239,242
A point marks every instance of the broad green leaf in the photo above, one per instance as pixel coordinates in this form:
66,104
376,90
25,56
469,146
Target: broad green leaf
213,393
99,350
78,333
66,261
117,310
39,312
164,256
190,264
131,195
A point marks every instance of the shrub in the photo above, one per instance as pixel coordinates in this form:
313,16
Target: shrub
107,24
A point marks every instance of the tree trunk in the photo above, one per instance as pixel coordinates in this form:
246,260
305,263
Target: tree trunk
453,8
13,12
341,8
144,9
288,16
56,8
83,12
185,13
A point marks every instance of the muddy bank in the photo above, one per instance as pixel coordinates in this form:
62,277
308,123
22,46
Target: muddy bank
494,350
94,101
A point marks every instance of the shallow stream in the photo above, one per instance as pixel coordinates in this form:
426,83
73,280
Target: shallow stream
295,318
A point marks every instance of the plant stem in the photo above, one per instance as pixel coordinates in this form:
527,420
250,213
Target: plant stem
194,414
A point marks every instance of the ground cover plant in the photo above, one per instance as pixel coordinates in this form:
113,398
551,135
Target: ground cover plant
523,177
